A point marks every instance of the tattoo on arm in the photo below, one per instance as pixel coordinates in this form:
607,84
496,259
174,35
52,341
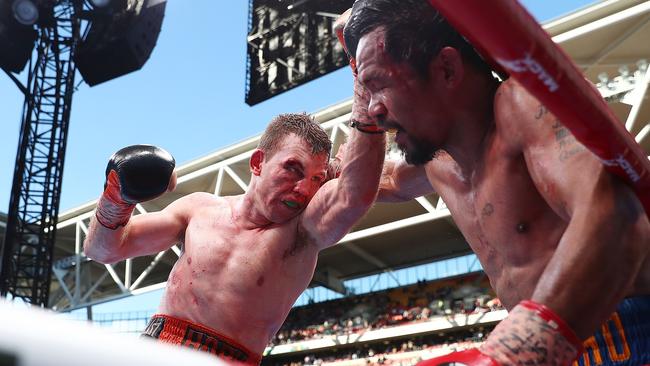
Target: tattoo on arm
567,143
528,340
541,111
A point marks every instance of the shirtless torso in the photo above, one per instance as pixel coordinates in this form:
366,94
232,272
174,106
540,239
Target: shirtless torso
514,241
247,258
239,281
555,232
513,207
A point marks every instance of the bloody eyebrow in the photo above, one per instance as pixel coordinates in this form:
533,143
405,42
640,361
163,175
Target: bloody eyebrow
295,163
365,80
373,79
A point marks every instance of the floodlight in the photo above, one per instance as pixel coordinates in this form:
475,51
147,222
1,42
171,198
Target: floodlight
120,39
16,39
25,12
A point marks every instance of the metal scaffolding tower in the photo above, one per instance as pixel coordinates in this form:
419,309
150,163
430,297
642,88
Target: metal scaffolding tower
118,38
34,204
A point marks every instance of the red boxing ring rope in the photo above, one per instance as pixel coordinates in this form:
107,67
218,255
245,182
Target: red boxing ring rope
514,39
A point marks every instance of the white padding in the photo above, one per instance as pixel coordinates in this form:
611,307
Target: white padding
35,337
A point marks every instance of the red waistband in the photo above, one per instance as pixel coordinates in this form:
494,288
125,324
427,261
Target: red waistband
187,333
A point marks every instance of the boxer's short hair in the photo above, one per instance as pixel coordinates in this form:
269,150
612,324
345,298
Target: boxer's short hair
301,124
415,32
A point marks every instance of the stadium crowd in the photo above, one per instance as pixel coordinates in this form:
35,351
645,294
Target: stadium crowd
396,352
414,303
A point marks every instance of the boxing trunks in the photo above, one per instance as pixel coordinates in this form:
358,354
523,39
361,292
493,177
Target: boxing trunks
624,339
168,329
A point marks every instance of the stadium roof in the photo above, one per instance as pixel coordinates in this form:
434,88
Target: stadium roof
601,38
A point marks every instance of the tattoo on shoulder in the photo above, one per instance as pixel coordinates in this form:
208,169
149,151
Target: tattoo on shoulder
541,111
567,144
488,210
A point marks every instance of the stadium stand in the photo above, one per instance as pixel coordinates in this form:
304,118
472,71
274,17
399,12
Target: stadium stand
398,326
395,326
396,352
419,302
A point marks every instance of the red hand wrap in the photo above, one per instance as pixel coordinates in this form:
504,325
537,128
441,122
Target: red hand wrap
555,322
112,211
470,357
532,334
360,118
366,127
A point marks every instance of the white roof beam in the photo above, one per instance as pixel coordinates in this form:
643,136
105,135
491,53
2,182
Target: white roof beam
93,288
240,182
604,22
147,270
63,285
425,204
639,94
115,277
218,185
617,42
643,134
395,225
176,250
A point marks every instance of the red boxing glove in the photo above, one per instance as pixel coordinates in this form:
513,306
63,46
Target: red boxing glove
112,211
470,357
134,174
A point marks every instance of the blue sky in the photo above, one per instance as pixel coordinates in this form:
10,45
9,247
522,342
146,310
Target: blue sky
188,99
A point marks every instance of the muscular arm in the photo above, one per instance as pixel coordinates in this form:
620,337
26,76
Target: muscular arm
607,237
143,235
339,203
402,182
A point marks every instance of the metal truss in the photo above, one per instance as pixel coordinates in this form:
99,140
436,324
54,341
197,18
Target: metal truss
34,204
628,87
289,46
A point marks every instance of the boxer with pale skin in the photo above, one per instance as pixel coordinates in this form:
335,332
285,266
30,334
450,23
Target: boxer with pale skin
564,243
245,259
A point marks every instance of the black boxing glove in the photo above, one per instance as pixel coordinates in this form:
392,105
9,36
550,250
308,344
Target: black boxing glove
134,174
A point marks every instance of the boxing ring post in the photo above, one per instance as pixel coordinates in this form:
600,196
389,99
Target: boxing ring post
516,42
